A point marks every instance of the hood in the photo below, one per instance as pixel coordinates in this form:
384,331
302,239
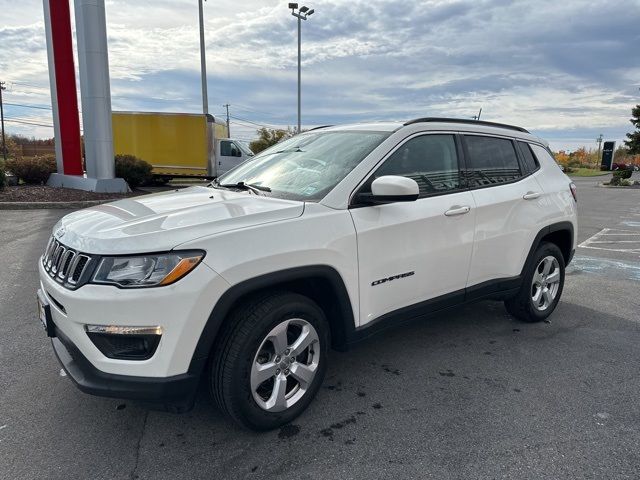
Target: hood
160,222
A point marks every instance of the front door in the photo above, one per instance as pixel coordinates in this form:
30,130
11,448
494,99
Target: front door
230,156
410,252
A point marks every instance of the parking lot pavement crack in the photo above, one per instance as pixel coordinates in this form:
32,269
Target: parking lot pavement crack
134,471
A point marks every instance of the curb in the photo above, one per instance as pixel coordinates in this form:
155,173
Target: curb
630,187
52,205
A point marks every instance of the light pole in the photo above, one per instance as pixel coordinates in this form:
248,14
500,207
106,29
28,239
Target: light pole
4,143
301,13
599,140
203,62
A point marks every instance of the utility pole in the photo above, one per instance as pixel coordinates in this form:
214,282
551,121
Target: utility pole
4,143
599,140
203,62
302,14
226,105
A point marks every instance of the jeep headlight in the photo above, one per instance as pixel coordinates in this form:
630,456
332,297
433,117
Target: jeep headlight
153,270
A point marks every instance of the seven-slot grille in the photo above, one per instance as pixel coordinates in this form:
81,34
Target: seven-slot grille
63,264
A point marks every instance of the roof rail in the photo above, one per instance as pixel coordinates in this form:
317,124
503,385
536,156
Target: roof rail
318,128
469,121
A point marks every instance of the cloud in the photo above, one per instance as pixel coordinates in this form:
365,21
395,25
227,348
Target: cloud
564,69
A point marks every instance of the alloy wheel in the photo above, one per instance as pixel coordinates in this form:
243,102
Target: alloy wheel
285,365
545,283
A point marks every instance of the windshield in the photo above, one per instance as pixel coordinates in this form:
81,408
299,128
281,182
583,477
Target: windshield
307,166
244,146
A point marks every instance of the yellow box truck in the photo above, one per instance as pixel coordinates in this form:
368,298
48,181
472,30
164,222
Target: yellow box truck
178,144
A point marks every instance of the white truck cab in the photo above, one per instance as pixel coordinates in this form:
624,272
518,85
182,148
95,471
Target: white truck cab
230,153
317,243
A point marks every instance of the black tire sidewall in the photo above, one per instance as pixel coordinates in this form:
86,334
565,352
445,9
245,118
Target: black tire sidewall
239,391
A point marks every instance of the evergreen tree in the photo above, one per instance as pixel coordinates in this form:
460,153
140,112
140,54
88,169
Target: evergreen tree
633,144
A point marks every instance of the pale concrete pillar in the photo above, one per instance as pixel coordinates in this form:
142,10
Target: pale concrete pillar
93,61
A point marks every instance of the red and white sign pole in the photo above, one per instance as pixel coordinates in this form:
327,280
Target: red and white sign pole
93,61
62,77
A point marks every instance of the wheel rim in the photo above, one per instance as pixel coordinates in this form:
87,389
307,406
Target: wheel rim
545,283
285,365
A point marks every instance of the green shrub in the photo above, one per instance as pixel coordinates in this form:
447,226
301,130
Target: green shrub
3,176
134,170
622,174
33,170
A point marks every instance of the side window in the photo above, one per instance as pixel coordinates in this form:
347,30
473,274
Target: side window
491,161
530,161
225,148
430,160
235,151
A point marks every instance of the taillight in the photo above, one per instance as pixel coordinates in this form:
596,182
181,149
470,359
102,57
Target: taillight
574,191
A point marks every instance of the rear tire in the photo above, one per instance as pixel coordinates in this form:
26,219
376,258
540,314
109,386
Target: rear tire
252,380
541,287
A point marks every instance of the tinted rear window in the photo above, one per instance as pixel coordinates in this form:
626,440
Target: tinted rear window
491,161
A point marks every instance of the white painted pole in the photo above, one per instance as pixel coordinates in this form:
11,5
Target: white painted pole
93,61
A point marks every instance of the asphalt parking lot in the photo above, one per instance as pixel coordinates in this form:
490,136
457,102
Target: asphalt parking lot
468,394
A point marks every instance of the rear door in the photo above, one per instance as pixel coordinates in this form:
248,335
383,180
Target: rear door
411,252
508,201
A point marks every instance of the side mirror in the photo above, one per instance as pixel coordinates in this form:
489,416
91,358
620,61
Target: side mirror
391,189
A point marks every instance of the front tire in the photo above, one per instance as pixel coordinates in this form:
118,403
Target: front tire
270,361
542,285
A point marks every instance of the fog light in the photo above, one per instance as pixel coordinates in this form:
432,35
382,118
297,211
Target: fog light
125,343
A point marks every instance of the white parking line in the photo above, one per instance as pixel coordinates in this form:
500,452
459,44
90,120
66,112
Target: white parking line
599,241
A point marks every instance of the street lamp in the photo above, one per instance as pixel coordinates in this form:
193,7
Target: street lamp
599,142
203,62
301,13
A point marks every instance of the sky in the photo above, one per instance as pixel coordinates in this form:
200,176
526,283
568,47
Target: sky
566,70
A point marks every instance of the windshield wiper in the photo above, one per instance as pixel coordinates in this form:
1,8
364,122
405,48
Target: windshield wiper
291,150
252,187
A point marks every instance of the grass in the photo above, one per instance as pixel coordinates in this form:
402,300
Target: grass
587,172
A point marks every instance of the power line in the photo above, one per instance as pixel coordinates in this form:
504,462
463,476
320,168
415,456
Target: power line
244,107
27,106
26,84
249,121
13,120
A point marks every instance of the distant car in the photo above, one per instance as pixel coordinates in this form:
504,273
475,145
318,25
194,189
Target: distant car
624,166
317,243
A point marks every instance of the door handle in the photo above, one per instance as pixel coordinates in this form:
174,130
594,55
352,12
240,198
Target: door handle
531,195
457,210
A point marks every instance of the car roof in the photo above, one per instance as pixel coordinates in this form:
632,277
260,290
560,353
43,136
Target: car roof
437,124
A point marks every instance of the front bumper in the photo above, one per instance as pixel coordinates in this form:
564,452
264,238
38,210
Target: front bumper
174,394
171,375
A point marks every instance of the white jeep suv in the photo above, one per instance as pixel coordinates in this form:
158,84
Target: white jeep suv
313,244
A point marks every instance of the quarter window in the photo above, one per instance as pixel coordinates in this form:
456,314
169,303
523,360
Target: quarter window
430,160
530,161
491,161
